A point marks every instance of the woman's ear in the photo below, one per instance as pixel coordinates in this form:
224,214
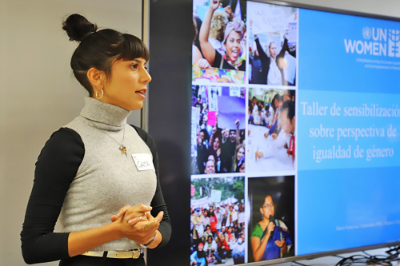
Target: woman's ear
96,78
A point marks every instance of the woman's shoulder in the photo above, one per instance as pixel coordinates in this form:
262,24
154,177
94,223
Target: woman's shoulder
63,140
64,148
257,231
143,134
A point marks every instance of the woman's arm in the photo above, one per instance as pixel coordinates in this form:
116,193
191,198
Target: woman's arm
206,47
285,47
259,246
263,56
158,204
55,169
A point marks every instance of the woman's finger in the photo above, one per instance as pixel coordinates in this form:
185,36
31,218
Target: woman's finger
137,211
159,216
122,211
137,219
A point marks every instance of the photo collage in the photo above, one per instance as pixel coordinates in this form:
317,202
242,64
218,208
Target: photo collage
243,128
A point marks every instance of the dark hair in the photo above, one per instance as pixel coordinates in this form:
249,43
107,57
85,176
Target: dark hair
289,105
99,49
250,108
291,93
276,97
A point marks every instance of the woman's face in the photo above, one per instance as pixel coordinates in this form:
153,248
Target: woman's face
240,154
201,135
268,208
272,49
232,45
216,144
126,86
242,168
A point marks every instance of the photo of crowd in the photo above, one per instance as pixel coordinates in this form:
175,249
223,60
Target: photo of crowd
272,44
271,222
271,130
219,44
217,221
218,135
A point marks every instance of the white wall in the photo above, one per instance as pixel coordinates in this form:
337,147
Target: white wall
38,93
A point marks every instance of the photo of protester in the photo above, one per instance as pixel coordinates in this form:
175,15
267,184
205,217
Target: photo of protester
272,44
217,221
271,222
219,44
271,130
218,123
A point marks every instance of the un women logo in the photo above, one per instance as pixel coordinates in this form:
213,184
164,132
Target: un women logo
394,35
394,43
366,31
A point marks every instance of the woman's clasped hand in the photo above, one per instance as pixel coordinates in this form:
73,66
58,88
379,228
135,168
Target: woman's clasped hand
136,223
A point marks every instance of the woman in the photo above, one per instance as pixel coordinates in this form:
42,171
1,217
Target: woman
241,167
198,257
213,221
233,36
270,238
215,150
206,221
239,154
207,233
210,248
272,63
273,123
197,220
94,166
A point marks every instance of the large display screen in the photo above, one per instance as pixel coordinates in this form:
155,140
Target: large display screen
294,133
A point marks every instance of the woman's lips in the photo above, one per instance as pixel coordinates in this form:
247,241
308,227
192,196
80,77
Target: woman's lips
141,93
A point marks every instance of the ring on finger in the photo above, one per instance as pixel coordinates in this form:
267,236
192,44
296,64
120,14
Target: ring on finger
145,227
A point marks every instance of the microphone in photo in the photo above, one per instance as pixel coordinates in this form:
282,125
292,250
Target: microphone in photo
271,219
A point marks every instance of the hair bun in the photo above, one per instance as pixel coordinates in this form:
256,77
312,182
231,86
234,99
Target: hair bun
77,27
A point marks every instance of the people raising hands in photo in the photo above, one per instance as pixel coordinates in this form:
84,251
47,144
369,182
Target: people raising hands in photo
233,37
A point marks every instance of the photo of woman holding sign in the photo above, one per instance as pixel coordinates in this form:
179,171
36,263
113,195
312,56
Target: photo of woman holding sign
273,46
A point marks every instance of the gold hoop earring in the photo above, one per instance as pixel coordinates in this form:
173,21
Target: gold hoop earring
97,94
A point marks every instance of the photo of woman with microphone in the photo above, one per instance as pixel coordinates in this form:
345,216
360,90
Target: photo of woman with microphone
271,237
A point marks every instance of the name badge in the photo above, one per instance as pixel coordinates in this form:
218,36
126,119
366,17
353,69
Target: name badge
143,161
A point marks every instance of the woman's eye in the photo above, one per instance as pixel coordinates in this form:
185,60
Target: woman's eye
135,66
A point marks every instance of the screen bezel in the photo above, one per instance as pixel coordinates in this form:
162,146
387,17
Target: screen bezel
166,129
